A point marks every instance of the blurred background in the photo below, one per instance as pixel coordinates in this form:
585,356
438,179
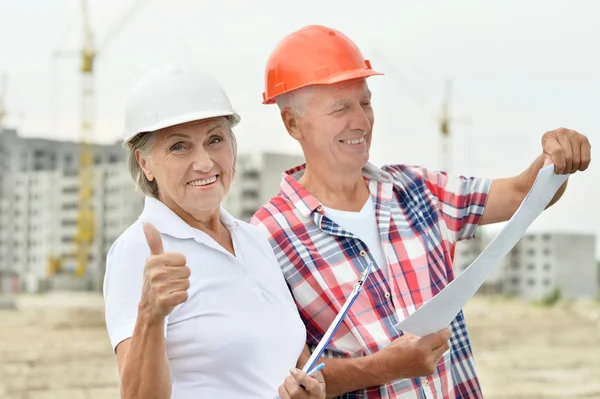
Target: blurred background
469,88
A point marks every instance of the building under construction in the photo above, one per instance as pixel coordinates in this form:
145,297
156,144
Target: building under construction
538,265
39,204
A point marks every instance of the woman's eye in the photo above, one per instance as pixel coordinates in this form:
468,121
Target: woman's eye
177,147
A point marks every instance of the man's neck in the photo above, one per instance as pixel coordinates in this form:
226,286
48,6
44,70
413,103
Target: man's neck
342,191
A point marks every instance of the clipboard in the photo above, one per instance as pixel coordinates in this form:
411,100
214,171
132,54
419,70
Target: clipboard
316,355
309,367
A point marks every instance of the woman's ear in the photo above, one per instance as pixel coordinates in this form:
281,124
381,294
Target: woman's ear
143,162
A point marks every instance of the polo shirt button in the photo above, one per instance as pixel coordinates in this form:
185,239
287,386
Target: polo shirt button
387,295
363,253
319,208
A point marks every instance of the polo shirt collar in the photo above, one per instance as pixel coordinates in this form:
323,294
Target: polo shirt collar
169,223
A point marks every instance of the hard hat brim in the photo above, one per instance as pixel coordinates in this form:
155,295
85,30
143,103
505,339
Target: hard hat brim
191,117
337,78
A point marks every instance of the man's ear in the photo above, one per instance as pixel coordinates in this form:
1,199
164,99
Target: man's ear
291,122
143,162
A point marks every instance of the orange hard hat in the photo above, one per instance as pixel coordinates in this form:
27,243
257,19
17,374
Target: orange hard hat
313,55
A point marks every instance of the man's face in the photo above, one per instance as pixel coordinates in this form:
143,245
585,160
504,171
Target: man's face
335,129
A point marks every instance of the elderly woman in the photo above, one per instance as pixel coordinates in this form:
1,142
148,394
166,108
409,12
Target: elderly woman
196,304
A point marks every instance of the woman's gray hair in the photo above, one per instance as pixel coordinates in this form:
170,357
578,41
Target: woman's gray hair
144,143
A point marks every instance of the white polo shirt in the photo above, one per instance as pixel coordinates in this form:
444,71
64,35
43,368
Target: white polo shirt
239,332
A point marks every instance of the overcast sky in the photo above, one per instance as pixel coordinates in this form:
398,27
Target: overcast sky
519,68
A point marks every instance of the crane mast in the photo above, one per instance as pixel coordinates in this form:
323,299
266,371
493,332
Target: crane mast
446,137
85,234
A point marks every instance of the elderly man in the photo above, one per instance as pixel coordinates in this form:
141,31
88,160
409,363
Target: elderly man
338,212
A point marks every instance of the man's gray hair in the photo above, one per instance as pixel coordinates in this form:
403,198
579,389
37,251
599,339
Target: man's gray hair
295,100
144,143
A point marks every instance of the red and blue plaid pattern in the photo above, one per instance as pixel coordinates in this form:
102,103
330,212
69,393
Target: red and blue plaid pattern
421,215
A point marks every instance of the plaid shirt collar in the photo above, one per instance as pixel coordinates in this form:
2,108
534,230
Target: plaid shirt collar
306,203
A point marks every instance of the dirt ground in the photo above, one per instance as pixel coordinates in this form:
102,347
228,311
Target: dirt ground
524,351
55,346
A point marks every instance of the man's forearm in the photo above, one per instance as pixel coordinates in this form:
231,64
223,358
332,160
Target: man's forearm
349,375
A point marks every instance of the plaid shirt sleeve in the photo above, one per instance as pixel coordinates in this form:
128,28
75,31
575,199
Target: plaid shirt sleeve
461,200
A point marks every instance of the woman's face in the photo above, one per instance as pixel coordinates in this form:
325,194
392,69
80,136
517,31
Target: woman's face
193,165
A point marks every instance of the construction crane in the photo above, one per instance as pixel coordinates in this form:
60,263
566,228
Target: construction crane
443,120
84,237
446,137
86,224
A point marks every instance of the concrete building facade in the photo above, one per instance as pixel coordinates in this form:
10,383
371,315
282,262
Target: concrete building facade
539,264
39,191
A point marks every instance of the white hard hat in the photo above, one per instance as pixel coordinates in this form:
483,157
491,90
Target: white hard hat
171,95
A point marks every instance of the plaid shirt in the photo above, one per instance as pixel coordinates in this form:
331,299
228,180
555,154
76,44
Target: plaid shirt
421,215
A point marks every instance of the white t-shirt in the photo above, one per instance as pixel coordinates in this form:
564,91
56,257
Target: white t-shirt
363,225
239,332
